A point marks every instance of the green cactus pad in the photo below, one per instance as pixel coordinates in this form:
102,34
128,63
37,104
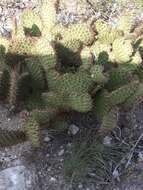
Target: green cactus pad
135,99
36,73
105,101
79,82
4,83
43,117
98,75
86,58
110,120
80,103
32,131
120,76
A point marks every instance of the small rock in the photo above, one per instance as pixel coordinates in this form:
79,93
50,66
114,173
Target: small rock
47,155
49,169
61,152
47,139
80,186
61,160
8,119
107,140
69,145
13,178
73,129
53,179
116,175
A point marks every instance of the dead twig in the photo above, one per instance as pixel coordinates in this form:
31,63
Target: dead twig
132,151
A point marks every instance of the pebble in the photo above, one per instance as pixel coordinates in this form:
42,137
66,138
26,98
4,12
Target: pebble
61,152
8,119
73,129
47,155
107,140
53,179
80,186
61,160
140,157
47,139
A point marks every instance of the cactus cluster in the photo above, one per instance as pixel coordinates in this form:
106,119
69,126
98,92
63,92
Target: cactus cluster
56,69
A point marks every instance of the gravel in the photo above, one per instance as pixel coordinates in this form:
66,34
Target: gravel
69,12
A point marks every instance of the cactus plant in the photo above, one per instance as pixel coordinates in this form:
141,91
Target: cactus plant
81,67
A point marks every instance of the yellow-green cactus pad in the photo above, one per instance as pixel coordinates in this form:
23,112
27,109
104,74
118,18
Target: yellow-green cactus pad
86,58
101,26
80,31
17,30
108,37
136,59
125,23
30,18
73,45
4,44
58,31
20,47
18,50
46,53
48,15
122,50
98,48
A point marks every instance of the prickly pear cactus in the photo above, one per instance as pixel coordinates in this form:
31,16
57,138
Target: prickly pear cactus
55,70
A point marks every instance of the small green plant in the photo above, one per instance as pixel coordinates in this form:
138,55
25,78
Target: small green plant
90,160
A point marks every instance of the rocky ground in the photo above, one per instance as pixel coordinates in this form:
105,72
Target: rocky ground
25,168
